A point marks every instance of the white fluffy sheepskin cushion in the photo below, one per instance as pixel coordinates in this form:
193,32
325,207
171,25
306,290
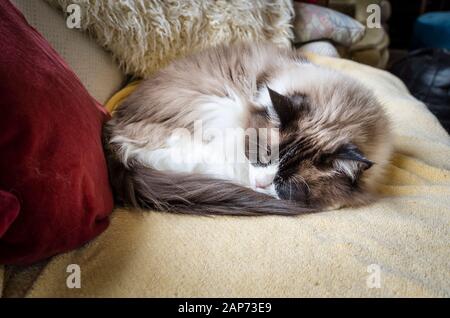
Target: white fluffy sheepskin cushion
145,35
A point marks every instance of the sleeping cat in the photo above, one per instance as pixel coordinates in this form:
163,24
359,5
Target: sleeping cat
307,138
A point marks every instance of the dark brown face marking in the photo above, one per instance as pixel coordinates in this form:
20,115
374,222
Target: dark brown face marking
288,108
313,169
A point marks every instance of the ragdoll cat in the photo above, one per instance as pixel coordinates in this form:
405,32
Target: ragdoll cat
329,137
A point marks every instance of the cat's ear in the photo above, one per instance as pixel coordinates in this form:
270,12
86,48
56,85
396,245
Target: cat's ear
350,160
283,106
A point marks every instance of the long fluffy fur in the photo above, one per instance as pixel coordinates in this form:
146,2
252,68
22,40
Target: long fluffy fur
143,187
145,35
332,130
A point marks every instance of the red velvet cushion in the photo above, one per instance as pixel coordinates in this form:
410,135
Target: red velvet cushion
53,176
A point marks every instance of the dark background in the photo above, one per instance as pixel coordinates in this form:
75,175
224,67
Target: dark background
404,13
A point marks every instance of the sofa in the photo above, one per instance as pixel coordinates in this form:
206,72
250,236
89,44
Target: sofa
397,246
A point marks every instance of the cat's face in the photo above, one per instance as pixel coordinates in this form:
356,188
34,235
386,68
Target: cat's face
321,160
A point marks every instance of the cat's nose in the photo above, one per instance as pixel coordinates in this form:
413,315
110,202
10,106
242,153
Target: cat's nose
262,185
262,177
265,180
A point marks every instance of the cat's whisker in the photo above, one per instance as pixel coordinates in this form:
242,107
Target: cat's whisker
298,178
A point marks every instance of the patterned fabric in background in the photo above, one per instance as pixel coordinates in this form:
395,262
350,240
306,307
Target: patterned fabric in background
318,23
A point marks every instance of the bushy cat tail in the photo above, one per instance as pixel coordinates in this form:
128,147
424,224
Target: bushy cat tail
147,188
